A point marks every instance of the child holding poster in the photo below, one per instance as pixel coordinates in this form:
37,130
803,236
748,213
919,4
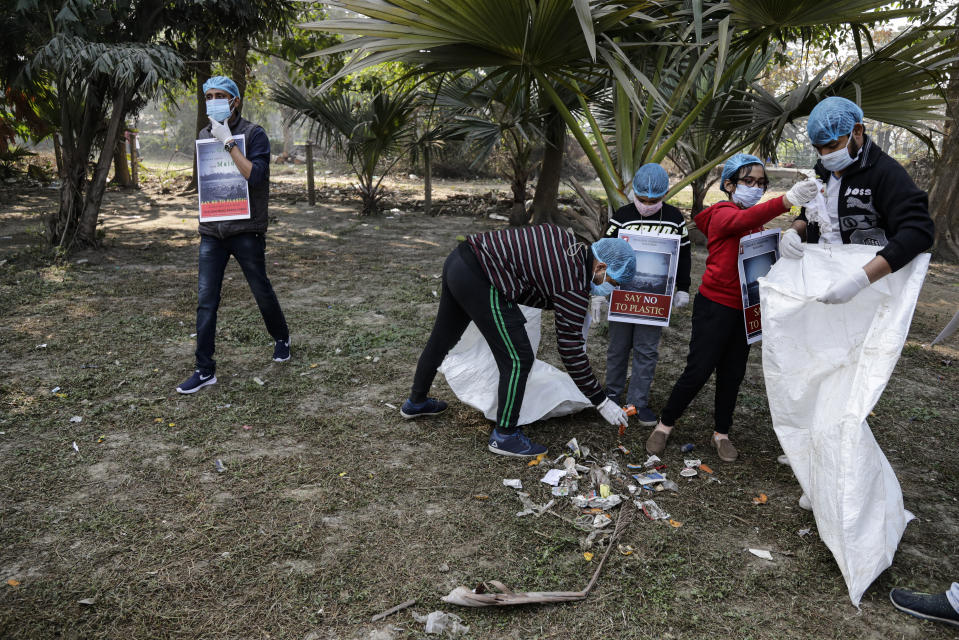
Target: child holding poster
647,213
718,341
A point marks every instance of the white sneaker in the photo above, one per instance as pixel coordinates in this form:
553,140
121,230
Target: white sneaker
805,502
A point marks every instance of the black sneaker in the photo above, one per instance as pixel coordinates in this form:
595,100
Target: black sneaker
646,417
514,443
196,382
281,350
928,606
429,407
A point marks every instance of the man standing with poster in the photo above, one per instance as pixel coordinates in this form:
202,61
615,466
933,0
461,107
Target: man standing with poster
244,238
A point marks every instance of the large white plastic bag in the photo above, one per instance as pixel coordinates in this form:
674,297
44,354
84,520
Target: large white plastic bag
825,368
471,372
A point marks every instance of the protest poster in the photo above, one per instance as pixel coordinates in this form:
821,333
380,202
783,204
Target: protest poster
223,191
757,254
648,297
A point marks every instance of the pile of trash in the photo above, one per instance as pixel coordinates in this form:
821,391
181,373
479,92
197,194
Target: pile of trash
595,487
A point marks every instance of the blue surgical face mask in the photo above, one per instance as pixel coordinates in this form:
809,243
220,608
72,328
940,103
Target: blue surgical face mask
838,160
218,109
747,196
601,289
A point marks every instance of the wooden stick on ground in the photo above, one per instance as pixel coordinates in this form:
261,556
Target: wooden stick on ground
389,612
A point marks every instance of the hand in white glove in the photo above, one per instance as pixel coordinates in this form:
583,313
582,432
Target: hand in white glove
802,192
596,308
613,413
680,300
220,131
791,245
846,289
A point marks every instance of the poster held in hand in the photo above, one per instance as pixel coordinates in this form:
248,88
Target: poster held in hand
758,252
648,297
223,191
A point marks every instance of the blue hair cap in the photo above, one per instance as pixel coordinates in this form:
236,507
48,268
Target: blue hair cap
223,83
618,257
651,181
733,165
832,118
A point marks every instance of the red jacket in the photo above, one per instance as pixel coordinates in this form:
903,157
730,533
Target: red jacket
724,224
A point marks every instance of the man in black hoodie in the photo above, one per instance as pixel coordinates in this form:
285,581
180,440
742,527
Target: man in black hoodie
869,199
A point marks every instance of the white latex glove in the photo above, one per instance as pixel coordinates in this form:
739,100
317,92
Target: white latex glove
680,300
613,413
846,289
802,192
596,308
220,131
791,245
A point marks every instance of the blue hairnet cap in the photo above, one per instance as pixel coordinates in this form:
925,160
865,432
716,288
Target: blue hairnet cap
733,165
651,181
618,256
224,83
832,118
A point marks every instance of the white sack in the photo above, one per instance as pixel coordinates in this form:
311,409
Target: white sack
825,368
471,372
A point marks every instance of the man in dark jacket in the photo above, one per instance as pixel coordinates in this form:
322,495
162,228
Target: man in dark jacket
244,239
869,199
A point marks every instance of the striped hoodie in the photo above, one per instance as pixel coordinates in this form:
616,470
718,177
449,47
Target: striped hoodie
543,266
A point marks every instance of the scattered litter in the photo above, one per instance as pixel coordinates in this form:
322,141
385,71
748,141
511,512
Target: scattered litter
42,346
158,419
531,507
391,406
76,419
434,293
87,601
440,622
573,446
76,447
481,496
246,427
101,439
535,461
805,532
54,390
688,472
783,459
761,553
625,549
258,381
649,478
760,499
706,468
560,492
601,520
514,483
218,464
651,462
675,523
588,556
669,485
652,510
391,611
443,568
13,582
623,450
83,261
686,448
376,359
594,501
692,463
635,467
553,476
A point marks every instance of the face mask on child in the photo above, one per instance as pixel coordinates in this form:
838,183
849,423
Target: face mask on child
601,289
747,196
646,210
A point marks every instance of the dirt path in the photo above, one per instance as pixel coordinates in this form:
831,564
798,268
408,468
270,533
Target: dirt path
332,508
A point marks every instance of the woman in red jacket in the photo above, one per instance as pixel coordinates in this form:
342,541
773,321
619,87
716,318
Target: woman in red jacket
718,340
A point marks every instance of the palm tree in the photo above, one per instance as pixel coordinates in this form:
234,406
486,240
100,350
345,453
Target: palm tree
374,132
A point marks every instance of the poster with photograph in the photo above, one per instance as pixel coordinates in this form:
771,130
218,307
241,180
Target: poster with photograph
648,297
757,254
223,191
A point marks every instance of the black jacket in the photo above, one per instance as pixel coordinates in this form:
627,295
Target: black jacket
258,152
880,205
669,220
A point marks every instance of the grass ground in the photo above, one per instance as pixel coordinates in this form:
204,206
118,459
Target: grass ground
332,508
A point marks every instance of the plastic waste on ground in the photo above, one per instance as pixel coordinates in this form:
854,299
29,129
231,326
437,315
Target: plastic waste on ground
440,622
825,367
472,374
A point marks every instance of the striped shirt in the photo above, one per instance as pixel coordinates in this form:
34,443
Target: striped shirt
543,266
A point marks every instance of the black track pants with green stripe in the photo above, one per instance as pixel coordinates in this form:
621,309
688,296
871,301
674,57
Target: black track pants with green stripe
467,295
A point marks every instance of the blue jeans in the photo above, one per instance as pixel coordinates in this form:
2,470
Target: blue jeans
248,249
643,341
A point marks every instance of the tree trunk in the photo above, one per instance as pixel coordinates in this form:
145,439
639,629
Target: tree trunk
518,216
547,187
87,227
203,72
75,145
944,196
427,182
699,188
238,67
121,169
